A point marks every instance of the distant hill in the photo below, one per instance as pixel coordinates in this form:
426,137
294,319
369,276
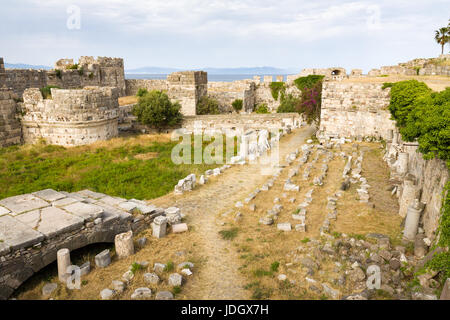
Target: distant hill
25,66
222,71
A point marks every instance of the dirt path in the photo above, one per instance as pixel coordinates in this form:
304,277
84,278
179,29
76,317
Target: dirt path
220,278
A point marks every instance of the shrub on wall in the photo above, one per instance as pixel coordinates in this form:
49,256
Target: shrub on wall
155,109
237,105
309,104
308,81
262,108
46,91
207,105
276,88
289,104
403,94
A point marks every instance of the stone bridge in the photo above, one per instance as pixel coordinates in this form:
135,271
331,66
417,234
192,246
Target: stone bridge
33,227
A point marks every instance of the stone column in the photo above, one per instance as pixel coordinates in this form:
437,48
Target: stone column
159,227
63,261
412,220
402,163
409,193
124,244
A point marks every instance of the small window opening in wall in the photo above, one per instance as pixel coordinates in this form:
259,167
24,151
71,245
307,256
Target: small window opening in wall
336,72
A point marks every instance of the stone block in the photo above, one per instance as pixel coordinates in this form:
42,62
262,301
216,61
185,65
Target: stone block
17,235
23,203
88,212
103,259
51,221
175,280
141,294
159,227
49,195
179,228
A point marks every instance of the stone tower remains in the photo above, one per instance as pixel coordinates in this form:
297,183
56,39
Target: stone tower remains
188,87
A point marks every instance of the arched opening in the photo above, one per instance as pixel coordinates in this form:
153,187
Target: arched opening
336,72
31,289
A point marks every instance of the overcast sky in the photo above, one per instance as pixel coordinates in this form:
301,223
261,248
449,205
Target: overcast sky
217,33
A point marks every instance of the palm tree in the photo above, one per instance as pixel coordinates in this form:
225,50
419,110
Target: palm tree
442,37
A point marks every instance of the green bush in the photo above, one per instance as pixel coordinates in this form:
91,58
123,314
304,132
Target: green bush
276,88
237,105
46,91
207,105
288,104
141,92
308,81
403,94
58,74
155,109
262,108
73,67
429,122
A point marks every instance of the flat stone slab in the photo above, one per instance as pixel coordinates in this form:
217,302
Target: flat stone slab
3,211
49,195
91,194
18,235
84,210
23,203
51,221
64,202
112,201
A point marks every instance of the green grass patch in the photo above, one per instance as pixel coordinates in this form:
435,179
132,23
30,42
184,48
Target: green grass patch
169,266
229,234
113,170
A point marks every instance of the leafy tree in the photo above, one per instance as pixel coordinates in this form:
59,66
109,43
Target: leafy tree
442,36
155,109
237,105
207,105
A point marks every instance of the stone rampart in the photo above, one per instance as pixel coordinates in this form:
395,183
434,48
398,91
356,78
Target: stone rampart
355,110
103,72
71,117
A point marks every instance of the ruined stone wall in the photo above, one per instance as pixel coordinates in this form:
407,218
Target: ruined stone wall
10,130
71,117
244,121
336,73
133,85
226,92
416,178
355,110
263,94
422,67
187,87
103,72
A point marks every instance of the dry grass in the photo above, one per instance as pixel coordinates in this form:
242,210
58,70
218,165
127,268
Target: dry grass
156,250
437,83
123,101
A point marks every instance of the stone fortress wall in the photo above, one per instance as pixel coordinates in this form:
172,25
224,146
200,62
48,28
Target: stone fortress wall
71,117
10,130
355,110
103,72
422,67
